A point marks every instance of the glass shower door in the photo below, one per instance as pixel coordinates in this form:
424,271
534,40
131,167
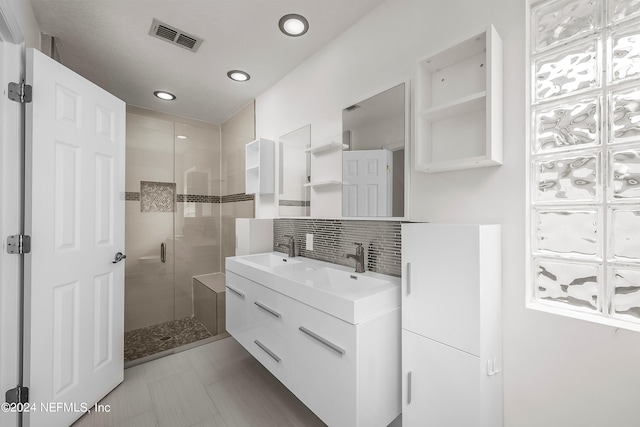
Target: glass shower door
149,219
197,230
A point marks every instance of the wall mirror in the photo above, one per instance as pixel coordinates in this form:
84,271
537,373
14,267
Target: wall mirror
295,170
373,162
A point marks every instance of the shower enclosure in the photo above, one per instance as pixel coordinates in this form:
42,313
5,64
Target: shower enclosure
172,228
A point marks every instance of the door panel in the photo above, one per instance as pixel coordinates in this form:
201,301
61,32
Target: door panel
74,332
441,293
368,183
441,383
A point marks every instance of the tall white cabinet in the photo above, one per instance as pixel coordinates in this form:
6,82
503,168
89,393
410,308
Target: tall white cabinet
451,325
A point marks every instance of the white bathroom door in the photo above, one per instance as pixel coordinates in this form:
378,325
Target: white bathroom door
74,306
368,183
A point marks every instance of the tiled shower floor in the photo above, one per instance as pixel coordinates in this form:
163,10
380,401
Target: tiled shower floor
164,336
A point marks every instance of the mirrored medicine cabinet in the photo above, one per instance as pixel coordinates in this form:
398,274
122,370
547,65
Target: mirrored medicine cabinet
375,137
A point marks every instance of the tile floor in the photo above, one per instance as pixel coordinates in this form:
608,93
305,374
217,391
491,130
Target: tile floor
215,385
165,336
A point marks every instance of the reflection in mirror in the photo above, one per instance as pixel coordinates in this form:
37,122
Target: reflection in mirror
373,170
294,173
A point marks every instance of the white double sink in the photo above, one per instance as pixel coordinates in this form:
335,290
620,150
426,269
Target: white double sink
334,289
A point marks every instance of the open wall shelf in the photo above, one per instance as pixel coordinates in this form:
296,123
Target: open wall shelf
259,167
459,106
330,146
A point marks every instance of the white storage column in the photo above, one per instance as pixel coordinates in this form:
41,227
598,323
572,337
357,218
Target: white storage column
451,320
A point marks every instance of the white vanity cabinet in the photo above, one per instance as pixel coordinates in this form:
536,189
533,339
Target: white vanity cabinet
348,374
237,318
260,320
325,365
451,325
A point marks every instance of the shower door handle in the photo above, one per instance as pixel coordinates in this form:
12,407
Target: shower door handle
163,252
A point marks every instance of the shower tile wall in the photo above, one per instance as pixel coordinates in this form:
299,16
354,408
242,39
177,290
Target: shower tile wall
333,239
189,227
236,133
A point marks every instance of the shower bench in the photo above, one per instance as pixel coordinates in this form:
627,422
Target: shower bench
209,301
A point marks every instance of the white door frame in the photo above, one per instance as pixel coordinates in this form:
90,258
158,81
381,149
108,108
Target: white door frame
12,48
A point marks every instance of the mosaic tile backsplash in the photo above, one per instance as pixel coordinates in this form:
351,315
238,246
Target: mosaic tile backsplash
334,239
303,203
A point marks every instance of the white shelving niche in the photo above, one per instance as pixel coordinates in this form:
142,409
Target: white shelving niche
323,155
459,106
259,167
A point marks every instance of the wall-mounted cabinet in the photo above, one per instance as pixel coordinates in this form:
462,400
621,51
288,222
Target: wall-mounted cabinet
459,106
259,167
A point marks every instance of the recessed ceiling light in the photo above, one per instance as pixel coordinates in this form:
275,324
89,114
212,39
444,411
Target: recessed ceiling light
239,76
164,95
182,137
293,25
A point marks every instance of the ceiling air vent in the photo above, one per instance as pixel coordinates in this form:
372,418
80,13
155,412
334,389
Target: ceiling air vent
174,36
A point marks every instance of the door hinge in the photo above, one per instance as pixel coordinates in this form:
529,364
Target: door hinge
20,92
19,395
19,244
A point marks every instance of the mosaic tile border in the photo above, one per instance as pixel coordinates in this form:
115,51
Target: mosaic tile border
240,197
333,239
196,198
305,203
134,196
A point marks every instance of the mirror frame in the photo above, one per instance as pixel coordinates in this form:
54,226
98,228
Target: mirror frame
408,149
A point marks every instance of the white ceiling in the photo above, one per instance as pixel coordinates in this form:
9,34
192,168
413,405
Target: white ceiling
108,42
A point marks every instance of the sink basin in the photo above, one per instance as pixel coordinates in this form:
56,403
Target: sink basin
271,260
334,289
333,279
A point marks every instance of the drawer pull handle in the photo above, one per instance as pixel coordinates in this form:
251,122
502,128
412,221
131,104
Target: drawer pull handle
266,350
268,310
408,278
409,388
321,340
235,291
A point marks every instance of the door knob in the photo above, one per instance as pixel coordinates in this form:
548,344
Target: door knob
118,257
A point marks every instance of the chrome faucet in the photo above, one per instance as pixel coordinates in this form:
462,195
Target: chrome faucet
359,257
291,246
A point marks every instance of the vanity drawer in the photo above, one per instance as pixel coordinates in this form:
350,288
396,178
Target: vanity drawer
273,351
272,310
238,294
325,365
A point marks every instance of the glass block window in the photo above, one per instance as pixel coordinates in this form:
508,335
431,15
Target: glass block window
584,159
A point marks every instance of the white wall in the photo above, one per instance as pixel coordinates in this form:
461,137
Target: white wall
557,371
